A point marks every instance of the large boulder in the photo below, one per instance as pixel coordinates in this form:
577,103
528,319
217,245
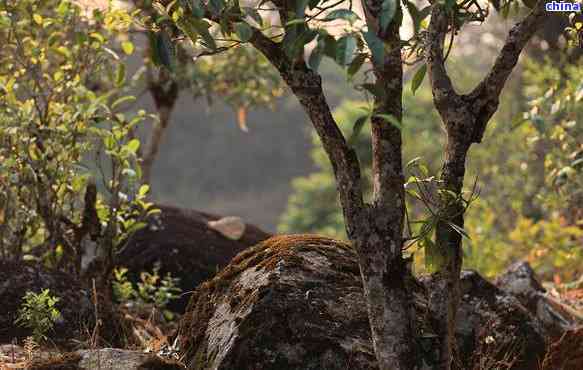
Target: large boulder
296,302
74,302
520,281
189,244
493,328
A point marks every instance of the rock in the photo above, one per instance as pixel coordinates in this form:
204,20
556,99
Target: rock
296,302
292,302
520,280
230,227
494,328
74,302
182,243
106,359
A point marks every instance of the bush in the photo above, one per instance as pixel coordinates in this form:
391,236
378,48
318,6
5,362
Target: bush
38,313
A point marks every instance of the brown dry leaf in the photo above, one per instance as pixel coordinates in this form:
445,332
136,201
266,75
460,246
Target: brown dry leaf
242,119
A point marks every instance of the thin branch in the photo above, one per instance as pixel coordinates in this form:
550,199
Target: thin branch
518,37
441,86
307,86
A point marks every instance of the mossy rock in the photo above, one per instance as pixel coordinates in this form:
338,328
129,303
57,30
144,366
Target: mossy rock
291,302
295,302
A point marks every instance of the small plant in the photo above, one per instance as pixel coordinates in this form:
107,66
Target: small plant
38,313
150,290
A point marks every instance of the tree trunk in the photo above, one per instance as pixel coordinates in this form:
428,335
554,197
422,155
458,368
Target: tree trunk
385,276
444,294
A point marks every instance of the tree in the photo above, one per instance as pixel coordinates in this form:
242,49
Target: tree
241,77
63,102
465,118
374,227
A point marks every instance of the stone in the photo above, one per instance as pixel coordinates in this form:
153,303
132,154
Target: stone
520,281
493,328
296,302
106,359
182,243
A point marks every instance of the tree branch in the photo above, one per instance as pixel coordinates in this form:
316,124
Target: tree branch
307,87
441,86
492,85
485,97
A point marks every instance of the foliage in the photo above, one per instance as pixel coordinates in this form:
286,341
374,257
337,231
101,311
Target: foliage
38,313
521,213
313,206
62,101
150,290
556,115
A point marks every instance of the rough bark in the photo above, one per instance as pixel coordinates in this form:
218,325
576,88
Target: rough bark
465,118
383,268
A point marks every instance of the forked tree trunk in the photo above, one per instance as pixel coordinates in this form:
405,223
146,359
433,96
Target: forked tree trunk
465,118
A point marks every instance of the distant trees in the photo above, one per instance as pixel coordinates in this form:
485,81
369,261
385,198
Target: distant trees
374,227
241,77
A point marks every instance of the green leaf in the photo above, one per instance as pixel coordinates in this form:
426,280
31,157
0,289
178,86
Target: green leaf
418,15
329,42
243,31
38,19
390,118
317,54
434,260
418,78
376,46
197,10
127,47
357,128
293,44
123,100
345,49
216,6
202,27
388,10
133,145
459,230
345,14
355,65
144,189
120,75
313,3
162,50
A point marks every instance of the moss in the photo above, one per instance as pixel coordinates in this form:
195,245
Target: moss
265,255
68,361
